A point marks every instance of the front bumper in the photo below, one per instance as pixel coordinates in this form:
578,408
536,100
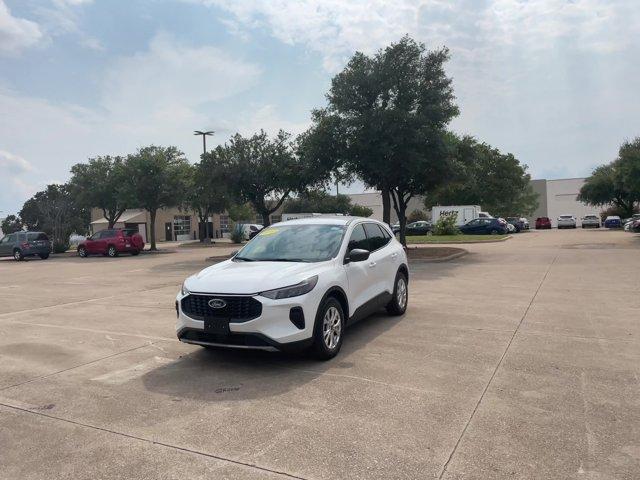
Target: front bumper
272,330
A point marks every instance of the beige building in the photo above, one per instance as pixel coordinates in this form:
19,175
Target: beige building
172,224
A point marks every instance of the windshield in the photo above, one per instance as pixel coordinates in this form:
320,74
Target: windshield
294,243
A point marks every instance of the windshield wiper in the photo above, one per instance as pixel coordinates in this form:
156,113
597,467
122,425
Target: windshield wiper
284,260
244,259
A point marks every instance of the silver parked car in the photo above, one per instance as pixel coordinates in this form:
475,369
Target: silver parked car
591,220
566,221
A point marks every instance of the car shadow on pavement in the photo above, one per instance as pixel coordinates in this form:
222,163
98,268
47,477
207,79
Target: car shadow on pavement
234,375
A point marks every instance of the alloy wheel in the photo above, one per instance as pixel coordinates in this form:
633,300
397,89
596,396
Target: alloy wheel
401,293
331,327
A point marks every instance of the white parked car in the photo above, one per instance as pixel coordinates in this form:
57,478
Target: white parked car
296,285
591,220
566,221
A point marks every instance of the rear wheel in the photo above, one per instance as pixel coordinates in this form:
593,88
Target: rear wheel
82,252
17,255
493,232
328,330
44,256
112,251
135,252
398,303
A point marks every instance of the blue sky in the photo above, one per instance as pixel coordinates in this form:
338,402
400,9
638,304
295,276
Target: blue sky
553,81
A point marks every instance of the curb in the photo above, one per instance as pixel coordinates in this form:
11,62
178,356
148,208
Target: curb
462,242
448,258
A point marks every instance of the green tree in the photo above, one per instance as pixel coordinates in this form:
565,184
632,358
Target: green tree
157,177
318,201
11,224
262,171
485,176
56,212
100,183
207,193
616,183
388,115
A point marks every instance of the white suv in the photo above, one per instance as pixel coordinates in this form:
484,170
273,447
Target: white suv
296,285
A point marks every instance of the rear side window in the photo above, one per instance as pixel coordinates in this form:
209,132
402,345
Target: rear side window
22,237
375,236
127,232
358,239
108,233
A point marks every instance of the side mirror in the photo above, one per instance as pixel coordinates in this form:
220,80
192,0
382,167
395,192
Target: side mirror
357,255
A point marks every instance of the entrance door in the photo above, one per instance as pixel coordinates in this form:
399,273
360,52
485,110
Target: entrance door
168,233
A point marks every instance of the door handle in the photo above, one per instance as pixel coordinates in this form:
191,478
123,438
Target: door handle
394,255
372,264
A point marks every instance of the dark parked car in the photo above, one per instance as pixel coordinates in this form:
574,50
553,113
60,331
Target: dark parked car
485,226
518,223
635,226
613,221
543,223
25,244
419,228
112,243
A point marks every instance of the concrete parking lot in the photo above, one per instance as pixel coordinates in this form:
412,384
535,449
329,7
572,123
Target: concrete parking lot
519,360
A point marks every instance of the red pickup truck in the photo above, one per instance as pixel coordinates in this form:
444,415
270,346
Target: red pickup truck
112,242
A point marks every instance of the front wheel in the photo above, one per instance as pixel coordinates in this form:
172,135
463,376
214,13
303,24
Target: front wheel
44,256
135,252
82,252
398,303
17,255
329,329
112,252
494,232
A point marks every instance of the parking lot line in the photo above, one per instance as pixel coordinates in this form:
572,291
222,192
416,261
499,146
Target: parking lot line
497,367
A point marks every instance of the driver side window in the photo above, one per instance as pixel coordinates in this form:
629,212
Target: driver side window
358,239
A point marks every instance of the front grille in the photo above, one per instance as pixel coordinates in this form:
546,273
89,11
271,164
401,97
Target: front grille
237,309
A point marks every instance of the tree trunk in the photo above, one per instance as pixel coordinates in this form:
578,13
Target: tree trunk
152,215
386,206
266,220
400,206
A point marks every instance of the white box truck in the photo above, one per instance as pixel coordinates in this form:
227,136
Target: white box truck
465,213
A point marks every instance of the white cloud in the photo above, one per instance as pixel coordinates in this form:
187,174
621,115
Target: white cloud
14,164
16,34
157,96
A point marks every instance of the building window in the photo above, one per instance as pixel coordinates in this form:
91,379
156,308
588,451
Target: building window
276,218
181,225
224,223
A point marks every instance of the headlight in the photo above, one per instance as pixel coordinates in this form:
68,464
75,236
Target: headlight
293,291
185,290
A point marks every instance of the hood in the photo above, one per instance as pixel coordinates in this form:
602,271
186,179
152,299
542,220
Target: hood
250,277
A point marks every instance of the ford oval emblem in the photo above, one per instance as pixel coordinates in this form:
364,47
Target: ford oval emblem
217,303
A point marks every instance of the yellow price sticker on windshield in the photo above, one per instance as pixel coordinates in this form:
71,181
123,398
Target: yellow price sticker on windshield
269,231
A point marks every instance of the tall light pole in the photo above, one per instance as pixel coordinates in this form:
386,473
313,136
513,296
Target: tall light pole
205,134
204,138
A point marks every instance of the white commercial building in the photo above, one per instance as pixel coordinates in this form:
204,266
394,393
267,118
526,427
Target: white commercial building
373,200
560,197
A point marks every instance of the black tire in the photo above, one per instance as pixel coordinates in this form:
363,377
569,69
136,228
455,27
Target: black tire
17,255
82,252
396,306
44,256
135,252
493,231
323,346
112,252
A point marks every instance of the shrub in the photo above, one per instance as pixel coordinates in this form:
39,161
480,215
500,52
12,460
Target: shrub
446,226
237,233
416,216
59,247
